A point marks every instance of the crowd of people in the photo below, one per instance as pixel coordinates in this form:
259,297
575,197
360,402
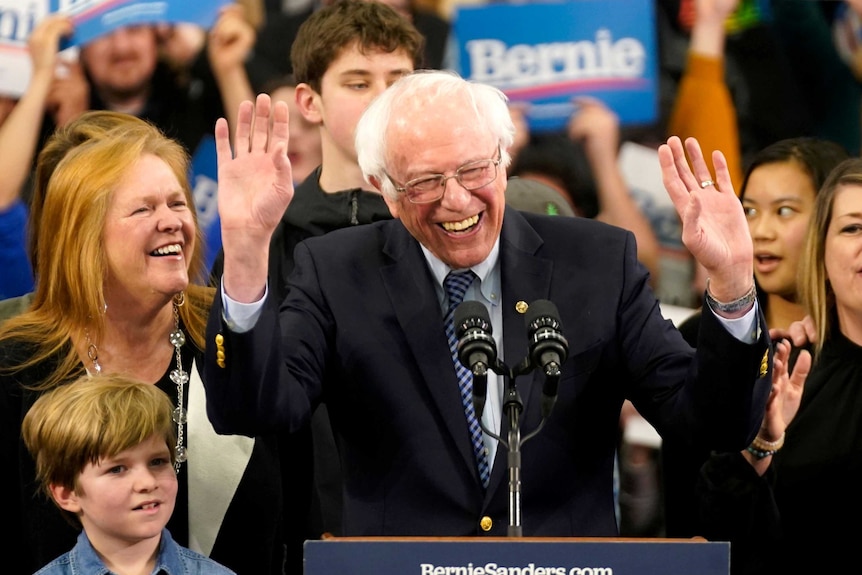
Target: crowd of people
190,216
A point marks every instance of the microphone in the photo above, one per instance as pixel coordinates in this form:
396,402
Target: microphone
548,347
477,350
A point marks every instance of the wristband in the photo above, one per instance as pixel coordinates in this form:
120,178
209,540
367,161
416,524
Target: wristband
734,306
763,445
758,454
761,448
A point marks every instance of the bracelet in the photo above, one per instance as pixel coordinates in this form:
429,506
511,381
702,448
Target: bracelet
758,453
761,448
734,306
763,445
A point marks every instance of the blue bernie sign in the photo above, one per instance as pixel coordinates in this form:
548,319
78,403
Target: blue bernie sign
203,176
94,18
543,54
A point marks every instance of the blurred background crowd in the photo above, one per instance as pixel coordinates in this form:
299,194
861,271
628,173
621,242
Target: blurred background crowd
739,75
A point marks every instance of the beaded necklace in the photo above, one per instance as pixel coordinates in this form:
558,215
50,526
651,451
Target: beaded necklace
179,376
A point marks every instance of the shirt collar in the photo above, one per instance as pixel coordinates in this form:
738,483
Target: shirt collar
482,270
168,560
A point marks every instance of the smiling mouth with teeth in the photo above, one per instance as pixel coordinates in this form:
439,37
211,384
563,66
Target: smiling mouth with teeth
171,250
462,225
149,506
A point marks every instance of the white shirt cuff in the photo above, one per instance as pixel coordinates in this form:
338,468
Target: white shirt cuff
745,328
241,317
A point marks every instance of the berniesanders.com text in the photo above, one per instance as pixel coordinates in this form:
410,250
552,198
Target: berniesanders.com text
495,569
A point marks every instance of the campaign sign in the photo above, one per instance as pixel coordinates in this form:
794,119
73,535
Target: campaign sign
543,54
17,20
94,18
203,176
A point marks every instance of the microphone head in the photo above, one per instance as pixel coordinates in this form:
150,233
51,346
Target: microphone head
542,313
476,345
545,332
471,314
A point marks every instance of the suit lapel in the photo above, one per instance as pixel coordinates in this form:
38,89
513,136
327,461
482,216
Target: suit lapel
411,289
525,277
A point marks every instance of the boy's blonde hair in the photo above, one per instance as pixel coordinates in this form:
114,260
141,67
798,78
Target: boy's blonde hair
90,419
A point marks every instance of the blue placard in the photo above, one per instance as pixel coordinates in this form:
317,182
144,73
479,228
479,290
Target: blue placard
94,18
203,177
545,53
515,555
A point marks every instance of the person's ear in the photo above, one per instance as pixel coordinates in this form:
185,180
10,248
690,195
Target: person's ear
66,498
393,205
308,102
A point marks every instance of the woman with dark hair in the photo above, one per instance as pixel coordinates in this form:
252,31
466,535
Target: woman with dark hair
796,492
778,194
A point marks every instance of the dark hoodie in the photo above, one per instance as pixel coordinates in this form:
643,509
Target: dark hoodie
310,466
313,212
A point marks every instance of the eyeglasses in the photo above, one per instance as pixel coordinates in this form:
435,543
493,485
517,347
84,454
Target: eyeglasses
431,187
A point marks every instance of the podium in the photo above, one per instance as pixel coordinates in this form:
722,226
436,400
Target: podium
515,556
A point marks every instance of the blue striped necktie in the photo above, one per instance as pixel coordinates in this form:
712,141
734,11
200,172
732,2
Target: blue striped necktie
456,284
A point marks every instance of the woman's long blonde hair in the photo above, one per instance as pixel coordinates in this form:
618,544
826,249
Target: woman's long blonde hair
71,268
815,289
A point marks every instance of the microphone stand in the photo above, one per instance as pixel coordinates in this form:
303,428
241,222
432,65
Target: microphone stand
476,349
512,408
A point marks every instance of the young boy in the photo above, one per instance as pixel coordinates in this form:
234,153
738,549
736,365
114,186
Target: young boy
104,454
344,56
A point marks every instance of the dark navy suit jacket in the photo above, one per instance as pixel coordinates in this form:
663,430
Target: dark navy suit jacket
361,329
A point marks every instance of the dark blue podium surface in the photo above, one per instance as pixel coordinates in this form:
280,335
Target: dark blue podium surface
515,556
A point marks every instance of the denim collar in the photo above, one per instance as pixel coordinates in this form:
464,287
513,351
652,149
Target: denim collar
84,559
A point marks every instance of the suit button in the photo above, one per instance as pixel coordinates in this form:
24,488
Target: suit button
220,356
486,523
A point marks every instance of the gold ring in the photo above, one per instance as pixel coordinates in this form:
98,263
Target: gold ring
707,183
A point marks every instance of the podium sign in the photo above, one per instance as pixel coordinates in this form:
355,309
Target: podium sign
524,556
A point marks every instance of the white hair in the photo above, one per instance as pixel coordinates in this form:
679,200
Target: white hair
488,103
